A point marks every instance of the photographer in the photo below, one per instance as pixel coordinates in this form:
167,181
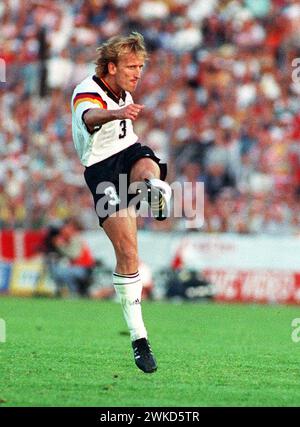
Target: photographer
69,259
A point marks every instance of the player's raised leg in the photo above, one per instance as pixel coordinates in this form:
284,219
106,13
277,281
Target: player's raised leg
158,192
122,231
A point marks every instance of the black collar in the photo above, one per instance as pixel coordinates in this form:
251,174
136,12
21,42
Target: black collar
108,90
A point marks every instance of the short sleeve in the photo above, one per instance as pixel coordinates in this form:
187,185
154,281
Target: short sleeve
85,101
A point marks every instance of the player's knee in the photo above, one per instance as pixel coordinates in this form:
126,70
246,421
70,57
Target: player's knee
144,169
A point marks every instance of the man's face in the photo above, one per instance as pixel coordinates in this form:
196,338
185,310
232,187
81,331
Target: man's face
128,71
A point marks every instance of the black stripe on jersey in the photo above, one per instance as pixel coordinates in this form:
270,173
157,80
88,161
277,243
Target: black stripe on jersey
108,91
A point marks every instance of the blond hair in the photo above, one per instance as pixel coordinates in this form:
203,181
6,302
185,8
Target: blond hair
115,47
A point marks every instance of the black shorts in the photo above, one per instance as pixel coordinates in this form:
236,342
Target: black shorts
105,178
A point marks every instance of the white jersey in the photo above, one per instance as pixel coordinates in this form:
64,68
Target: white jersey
105,140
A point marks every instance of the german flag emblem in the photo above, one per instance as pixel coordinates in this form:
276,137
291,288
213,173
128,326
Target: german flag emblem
93,97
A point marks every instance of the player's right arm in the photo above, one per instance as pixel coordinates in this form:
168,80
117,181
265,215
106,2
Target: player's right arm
98,116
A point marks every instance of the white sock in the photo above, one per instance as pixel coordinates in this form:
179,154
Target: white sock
129,290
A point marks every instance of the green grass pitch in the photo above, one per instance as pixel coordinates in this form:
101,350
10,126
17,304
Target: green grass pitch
78,353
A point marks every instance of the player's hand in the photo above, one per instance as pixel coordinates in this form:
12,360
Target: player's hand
130,111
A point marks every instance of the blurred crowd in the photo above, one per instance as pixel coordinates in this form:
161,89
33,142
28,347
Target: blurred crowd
221,102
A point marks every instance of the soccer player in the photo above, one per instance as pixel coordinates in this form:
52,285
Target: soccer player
102,114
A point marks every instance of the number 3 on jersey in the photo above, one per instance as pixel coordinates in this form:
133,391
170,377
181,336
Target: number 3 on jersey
122,134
